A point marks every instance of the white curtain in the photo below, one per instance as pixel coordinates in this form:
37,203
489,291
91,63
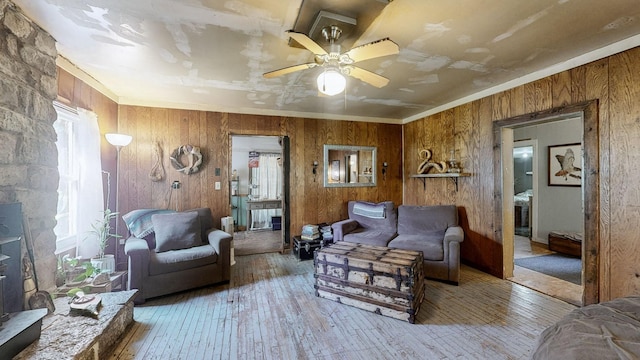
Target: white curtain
90,203
269,174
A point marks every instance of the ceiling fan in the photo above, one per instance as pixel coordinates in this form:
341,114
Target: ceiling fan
331,81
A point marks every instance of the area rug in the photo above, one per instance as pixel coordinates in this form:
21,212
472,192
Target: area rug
557,265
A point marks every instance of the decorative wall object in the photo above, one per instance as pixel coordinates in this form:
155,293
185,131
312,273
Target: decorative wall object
426,164
157,171
194,155
565,165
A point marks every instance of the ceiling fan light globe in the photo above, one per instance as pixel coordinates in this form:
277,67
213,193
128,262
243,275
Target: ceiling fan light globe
331,82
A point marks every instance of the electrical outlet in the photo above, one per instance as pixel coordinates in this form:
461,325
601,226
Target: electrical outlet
217,185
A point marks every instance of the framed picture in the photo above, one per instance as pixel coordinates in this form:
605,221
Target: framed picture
565,165
335,170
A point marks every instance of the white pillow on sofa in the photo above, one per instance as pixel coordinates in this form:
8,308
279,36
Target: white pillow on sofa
176,231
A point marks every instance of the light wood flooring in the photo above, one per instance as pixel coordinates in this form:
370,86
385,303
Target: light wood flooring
269,311
564,290
257,242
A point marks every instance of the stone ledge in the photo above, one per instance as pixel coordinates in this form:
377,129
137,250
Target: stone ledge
67,336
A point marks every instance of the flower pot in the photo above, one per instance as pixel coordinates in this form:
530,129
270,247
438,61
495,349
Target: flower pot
105,264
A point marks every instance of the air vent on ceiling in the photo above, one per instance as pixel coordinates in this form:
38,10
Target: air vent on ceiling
324,19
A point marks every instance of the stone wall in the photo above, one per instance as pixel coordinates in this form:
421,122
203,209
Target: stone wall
28,154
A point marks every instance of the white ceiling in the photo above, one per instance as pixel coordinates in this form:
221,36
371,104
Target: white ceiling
210,55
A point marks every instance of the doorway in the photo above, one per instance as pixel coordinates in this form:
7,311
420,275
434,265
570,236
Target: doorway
257,193
541,205
588,191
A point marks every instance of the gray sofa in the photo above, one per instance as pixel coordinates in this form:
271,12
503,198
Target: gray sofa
434,230
175,251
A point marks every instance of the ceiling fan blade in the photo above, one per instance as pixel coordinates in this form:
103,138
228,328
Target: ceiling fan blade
379,48
366,76
306,41
288,70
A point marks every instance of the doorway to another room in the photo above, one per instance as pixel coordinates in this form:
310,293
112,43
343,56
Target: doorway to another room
543,198
256,194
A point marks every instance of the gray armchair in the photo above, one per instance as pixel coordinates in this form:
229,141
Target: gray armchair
434,230
182,251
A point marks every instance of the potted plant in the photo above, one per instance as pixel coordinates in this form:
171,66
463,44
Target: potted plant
101,229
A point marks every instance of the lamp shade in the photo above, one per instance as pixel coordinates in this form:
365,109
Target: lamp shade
331,82
118,139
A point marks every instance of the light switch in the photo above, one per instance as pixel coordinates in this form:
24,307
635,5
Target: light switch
217,185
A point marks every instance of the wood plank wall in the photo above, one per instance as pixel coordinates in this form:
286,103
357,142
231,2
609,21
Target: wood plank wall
615,83
310,201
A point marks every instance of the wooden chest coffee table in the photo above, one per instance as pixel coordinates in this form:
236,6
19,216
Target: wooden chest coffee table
385,281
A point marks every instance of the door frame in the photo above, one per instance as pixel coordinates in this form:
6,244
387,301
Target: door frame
534,183
285,146
503,217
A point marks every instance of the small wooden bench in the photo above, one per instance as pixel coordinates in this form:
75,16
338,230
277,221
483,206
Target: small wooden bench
566,243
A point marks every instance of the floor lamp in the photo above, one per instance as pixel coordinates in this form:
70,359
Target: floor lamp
118,140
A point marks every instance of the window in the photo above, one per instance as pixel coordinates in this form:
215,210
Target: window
80,200
66,229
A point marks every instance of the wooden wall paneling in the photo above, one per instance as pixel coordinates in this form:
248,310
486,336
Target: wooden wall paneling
414,191
216,150
66,84
517,100
464,144
124,194
160,124
301,176
469,134
439,128
127,192
185,192
596,82
218,143
313,184
578,84
489,234
448,123
624,80
502,105
213,152
82,94
143,156
561,89
371,131
544,94
537,95
413,188
529,92
216,147
173,141
131,188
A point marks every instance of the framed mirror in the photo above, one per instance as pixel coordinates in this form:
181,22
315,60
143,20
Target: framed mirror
348,166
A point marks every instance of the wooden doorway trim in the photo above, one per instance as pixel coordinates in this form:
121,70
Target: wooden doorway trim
591,186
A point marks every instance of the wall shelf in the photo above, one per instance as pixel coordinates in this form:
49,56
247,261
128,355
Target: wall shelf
453,176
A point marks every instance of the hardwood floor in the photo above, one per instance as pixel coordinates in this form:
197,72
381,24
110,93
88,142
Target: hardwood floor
257,242
546,284
269,311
